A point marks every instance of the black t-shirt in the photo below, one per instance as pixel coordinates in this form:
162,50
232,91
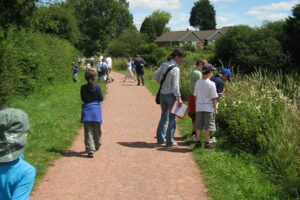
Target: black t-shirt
139,63
219,83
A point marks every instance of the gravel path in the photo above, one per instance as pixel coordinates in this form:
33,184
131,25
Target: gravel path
129,165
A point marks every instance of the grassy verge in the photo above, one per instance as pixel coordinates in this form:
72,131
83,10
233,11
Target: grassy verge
54,115
228,176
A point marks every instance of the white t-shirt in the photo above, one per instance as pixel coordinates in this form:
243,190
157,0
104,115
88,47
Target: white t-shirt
109,62
205,91
129,66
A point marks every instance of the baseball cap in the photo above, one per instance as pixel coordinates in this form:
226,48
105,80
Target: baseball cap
208,68
14,124
227,72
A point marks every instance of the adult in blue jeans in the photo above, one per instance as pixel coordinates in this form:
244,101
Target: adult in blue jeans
170,92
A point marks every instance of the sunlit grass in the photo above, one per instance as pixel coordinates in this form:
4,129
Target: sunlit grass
54,115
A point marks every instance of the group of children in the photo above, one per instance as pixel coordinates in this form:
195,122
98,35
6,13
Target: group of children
203,102
103,67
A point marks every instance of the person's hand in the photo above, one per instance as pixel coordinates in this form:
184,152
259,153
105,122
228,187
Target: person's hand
215,111
179,102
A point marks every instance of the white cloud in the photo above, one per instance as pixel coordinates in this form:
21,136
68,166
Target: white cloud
155,4
222,20
274,11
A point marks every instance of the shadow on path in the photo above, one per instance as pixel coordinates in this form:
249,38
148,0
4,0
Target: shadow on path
154,145
68,153
138,144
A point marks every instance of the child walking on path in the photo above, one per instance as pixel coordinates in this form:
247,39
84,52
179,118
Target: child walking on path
91,116
129,74
206,105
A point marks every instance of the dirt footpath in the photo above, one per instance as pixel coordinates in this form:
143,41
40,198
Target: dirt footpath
129,165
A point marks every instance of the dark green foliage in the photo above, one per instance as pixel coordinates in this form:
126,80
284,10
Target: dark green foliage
203,15
100,21
16,12
155,25
127,43
251,48
31,60
58,19
292,31
152,54
160,20
189,47
148,29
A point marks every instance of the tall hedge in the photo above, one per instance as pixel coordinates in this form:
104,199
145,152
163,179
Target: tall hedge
30,60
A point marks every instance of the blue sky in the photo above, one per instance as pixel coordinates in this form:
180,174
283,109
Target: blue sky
228,12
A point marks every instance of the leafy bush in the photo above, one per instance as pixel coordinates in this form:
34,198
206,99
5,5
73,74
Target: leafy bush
189,47
256,117
251,48
31,60
152,54
120,64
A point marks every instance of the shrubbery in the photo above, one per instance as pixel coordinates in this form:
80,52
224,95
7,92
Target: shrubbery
249,48
256,117
29,60
152,54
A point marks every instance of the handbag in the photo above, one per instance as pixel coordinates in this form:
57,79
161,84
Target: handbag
157,99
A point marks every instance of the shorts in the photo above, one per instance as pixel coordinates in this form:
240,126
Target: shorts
205,121
192,107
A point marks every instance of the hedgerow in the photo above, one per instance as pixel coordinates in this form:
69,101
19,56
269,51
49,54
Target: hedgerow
30,60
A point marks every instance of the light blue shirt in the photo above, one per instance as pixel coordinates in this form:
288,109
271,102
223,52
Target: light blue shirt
16,179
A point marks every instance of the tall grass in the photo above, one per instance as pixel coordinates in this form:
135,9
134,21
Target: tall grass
54,115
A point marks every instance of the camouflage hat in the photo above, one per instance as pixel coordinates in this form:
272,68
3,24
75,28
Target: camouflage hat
14,124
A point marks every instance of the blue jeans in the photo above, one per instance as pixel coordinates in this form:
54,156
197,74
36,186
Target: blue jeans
165,129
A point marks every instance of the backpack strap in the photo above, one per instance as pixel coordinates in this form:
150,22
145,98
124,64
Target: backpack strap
165,75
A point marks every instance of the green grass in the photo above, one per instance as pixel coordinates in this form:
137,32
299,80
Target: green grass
228,176
54,116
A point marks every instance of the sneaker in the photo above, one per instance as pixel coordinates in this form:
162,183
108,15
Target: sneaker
208,146
197,145
90,154
213,140
174,144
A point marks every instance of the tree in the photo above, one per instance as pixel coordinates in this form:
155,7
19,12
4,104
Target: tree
16,12
155,24
160,20
148,29
127,43
203,15
292,31
58,19
251,48
100,21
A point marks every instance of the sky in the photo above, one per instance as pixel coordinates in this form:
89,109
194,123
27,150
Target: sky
228,12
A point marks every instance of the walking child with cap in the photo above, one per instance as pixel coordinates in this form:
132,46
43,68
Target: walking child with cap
16,175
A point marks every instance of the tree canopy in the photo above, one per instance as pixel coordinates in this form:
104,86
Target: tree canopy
100,21
292,31
203,15
16,12
155,24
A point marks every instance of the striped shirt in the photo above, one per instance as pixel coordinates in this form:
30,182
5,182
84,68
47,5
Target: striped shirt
171,84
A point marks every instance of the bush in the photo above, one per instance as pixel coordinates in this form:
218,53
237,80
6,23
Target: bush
256,117
189,47
31,60
251,48
152,54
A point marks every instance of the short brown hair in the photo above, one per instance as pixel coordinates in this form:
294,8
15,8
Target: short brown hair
202,61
